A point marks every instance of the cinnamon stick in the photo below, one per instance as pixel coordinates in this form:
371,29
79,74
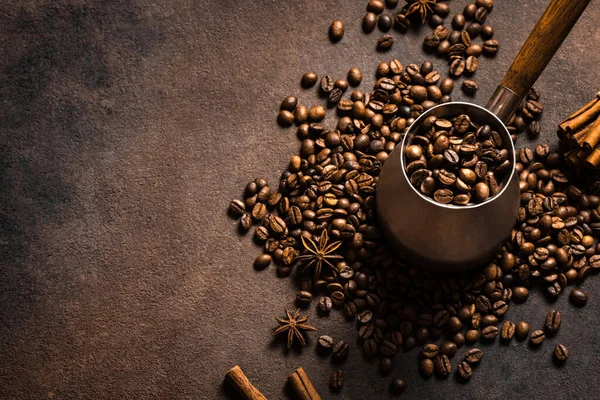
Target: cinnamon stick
582,116
302,386
579,136
242,385
593,160
592,138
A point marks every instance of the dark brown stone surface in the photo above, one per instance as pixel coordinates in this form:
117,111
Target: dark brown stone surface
127,127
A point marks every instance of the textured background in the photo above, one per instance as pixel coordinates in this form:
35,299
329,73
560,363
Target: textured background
125,130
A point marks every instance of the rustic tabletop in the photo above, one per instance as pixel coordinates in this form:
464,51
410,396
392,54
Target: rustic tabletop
126,129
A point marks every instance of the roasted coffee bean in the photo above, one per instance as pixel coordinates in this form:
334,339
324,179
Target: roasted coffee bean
489,332
553,321
491,47
472,335
237,207
457,67
340,351
487,32
448,348
578,297
401,22
327,84
537,337
385,42
354,76
262,261
309,79
444,196
458,22
561,353
386,366
426,367
443,365
431,42
325,305
375,6
520,294
285,118
336,381
385,22
522,330
430,350
471,64
469,86
508,330
325,343
289,103
303,298
369,22
397,386
350,310
473,356
464,370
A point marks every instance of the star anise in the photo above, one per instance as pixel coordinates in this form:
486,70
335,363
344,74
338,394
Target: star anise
423,7
320,254
293,325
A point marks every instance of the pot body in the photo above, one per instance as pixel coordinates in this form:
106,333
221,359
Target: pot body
442,237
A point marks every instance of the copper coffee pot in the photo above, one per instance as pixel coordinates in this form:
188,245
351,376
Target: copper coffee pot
452,237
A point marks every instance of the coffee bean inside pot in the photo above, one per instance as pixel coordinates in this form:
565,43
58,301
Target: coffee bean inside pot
456,160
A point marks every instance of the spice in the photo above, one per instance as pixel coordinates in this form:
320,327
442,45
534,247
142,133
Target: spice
317,255
242,385
293,325
580,137
302,386
421,7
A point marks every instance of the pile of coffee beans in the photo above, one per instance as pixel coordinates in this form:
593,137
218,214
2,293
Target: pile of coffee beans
330,185
458,46
457,160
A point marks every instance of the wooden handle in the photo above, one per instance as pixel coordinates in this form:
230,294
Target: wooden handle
546,38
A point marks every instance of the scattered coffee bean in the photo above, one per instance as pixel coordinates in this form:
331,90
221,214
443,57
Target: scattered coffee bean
386,366
489,332
430,350
561,353
448,348
508,330
397,386
262,261
385,22
336,381
303,298
325,343
336,30
522,330
426,367
473,356
369,22
491,47
385,42
464,370
354,76
469,86
537,337
443,365
578,297
553,321
309,79
340,351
